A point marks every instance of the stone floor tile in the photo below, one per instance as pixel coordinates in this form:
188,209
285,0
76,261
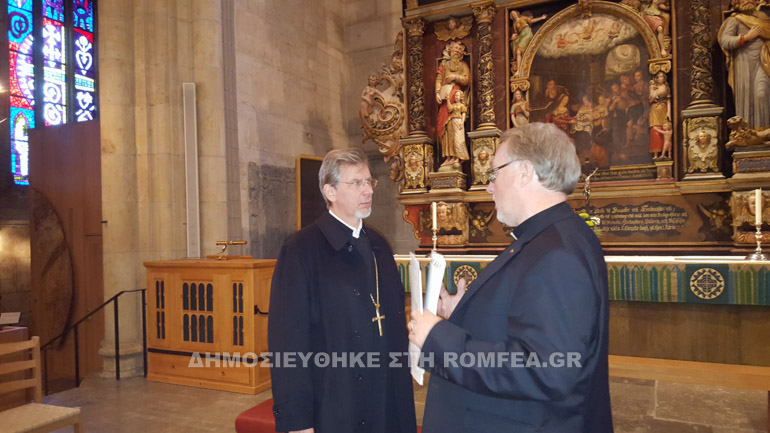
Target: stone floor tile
712,405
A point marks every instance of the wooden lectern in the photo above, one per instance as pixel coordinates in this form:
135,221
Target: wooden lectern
207,322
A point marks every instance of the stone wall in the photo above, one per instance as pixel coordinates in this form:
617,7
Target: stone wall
300,69
271,212
370,32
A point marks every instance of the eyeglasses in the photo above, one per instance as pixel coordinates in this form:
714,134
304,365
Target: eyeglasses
359,183
492,173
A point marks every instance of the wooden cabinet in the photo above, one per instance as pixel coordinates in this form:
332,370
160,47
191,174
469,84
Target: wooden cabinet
205,323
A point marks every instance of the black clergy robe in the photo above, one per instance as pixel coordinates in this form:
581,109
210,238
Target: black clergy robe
545,299
320,304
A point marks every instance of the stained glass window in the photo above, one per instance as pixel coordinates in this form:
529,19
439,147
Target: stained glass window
83,48
65,77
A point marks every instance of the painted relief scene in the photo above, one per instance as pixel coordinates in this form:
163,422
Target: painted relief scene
589,74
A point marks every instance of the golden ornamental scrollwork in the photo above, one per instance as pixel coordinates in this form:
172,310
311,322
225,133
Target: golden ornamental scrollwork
414,27
626,13
428,158
483,150
701,135
707,283
484,12
519,84
414,166
659,66
415,230
701,79
382,112
466,272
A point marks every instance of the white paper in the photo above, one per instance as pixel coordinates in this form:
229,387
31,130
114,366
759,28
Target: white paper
415,287
435,279
9,318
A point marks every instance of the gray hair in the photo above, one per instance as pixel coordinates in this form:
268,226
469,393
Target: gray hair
333,162
550,151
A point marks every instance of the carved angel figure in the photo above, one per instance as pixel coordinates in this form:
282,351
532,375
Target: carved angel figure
368,95
657,17
453,28
521,35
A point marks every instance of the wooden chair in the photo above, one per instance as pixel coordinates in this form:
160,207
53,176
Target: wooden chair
32,417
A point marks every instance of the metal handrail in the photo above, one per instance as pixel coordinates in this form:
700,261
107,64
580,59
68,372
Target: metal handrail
74,327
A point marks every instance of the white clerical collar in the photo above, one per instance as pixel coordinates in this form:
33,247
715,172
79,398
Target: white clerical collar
356,230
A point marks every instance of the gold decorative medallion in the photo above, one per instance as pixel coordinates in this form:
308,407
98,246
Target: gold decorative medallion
707,283
466,272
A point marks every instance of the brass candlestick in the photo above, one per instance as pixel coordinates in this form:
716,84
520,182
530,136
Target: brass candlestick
757,254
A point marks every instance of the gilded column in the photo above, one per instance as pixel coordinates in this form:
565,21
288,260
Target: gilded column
702,120
415,29
417,148
484,139
701,81
485,13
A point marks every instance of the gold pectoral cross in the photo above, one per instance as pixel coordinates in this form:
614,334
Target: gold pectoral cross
378,318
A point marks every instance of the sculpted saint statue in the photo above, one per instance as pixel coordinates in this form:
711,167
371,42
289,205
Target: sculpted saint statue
745,39
660,115
451,87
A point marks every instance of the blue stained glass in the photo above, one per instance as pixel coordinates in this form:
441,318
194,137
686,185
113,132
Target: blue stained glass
21,4
85,106
55,73
22,76
54,9
53,43
21,120
84,59
54,114
84,15
54,92
20,25
83,83
29,116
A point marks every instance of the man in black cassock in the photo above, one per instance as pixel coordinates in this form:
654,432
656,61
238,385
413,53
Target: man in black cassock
539,311
336,314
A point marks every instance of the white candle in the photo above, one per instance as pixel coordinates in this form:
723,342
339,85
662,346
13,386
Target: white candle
433,211
758,207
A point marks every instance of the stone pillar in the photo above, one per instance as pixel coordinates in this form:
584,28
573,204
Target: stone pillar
702,120
120,234
150,50
484,139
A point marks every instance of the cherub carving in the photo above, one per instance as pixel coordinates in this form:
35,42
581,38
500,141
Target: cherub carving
718,217
702,152
453,28
480,222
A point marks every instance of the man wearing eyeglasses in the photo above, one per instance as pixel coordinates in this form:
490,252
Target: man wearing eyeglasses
531,332
337,305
